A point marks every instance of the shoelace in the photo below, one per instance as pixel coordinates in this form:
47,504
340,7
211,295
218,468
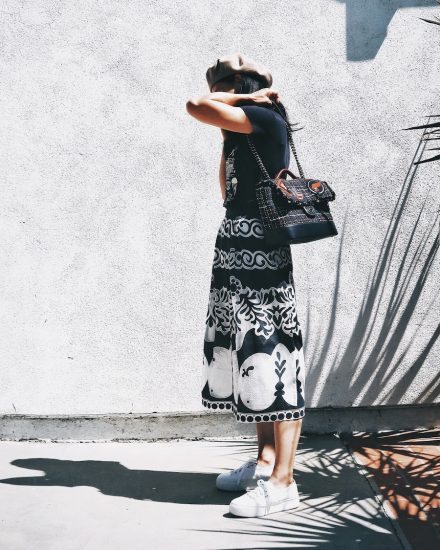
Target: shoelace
261,489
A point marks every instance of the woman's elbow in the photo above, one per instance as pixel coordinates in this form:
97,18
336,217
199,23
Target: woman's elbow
197,108
191,105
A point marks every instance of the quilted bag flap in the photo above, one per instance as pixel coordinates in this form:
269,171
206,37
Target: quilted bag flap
301,191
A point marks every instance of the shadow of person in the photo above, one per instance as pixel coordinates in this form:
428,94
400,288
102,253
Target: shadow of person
112,478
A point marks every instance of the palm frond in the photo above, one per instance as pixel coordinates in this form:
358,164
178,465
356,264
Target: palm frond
431,21
432,125
437,157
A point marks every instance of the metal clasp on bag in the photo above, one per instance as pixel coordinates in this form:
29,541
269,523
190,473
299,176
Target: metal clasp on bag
309,210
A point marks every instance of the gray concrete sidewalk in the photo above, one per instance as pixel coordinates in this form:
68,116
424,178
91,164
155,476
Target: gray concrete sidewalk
162,495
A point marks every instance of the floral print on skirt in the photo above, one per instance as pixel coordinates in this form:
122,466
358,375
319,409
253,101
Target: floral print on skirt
253,357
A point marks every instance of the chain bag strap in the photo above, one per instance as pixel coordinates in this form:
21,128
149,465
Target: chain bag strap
293,210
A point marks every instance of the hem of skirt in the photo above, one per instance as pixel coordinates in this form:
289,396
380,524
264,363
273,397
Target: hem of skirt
246,417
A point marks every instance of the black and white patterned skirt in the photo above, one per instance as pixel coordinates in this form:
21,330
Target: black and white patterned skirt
253,357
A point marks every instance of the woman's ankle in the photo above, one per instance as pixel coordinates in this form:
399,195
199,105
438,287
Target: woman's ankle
281,480
266,460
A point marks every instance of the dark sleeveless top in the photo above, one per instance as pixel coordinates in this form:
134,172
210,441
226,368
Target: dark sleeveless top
270,139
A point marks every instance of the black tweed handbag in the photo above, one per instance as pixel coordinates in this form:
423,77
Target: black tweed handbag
293,210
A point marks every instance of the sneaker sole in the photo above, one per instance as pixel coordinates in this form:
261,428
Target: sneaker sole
261,510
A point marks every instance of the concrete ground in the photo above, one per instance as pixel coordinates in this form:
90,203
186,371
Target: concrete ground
162,495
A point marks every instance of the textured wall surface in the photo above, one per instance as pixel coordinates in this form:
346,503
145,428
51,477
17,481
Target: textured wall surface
111,200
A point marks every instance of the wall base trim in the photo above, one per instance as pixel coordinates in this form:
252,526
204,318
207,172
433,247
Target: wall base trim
190,425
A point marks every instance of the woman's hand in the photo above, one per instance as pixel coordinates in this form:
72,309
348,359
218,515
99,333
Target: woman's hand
266,95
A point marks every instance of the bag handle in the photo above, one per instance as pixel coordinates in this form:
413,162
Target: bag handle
292,146
280,174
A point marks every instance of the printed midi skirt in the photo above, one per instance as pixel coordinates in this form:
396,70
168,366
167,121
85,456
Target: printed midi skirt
253,357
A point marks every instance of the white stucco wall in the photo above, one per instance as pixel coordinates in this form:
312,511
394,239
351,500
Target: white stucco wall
111,200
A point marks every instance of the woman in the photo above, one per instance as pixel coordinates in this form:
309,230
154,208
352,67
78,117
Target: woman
253,362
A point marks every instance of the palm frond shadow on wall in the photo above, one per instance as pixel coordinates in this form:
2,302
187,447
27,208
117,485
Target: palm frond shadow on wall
360,373
432,129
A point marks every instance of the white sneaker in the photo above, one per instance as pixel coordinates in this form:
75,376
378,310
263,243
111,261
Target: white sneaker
243,478
266,498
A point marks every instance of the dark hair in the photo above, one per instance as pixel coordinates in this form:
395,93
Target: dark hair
250,83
